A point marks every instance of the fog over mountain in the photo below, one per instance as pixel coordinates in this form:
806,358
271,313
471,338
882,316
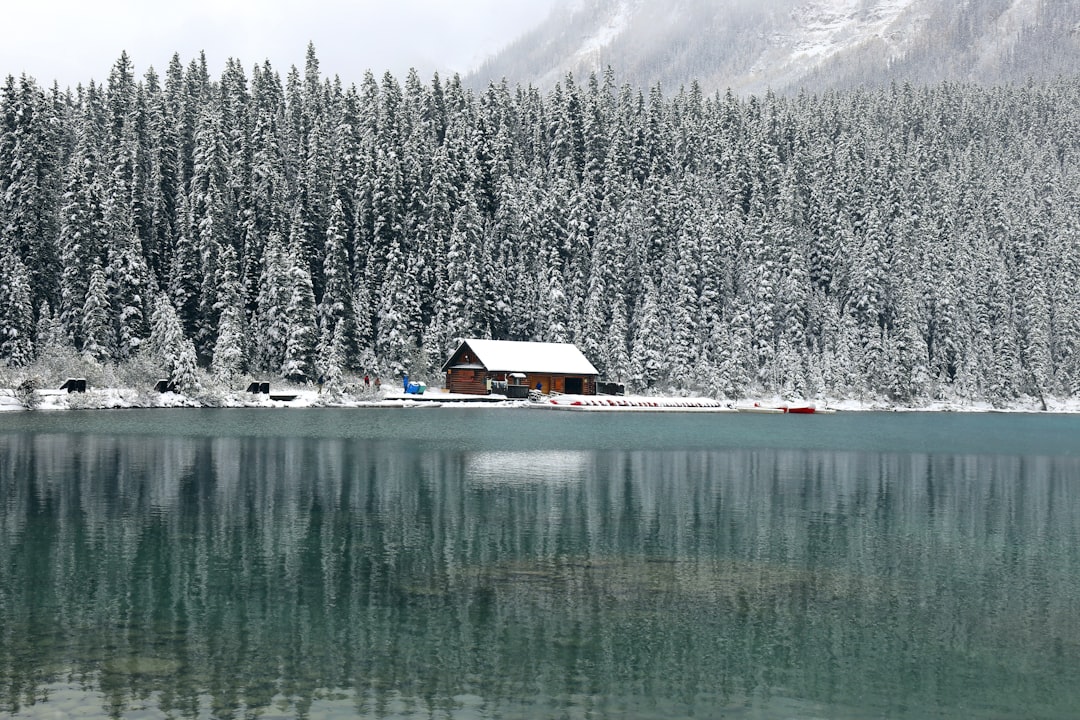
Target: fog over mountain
751,46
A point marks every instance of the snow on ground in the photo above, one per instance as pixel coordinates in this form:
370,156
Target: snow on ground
8,401
117,398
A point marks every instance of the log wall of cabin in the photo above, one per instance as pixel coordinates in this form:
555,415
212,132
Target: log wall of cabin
557,383
474,382
469,382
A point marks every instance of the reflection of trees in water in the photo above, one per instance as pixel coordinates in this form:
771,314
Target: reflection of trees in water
250,570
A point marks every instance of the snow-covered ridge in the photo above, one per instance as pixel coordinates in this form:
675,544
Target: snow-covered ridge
826,28
608,31
784,44
1006,31
615,20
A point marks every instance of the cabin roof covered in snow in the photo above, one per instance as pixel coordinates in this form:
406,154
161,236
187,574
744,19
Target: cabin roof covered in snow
519,356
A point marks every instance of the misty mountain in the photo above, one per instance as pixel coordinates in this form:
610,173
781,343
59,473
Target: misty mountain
751,46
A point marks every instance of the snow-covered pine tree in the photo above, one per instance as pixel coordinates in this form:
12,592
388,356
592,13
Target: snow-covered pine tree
388,209
229,358
269,186
228,362
1033,321
554,308
130,288
395,343
336,306
157,212
236,132
679,297
332,362
647,350
578,250
29,183
83,230
433,232
615,355
503,267
184,275
760,272
168,347
16,309
300,328
594,323
460,308
48,334
211,220
316,163
95,318
269,327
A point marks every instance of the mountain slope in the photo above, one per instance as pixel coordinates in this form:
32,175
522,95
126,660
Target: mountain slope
785,45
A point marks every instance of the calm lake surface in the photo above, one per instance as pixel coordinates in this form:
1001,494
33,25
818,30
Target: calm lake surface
521,563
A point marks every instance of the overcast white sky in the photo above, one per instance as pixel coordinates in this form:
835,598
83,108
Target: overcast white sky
73,41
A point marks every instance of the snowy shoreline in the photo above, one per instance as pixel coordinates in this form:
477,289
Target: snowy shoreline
127,398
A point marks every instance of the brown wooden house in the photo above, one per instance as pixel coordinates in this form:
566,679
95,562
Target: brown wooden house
512,368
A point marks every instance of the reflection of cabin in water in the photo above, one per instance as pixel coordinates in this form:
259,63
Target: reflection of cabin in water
513,368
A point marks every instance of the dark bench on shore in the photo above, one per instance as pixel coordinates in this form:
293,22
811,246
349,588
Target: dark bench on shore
610,388
74,385
516,391
264,388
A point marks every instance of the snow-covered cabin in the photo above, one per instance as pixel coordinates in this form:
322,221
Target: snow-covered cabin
558,367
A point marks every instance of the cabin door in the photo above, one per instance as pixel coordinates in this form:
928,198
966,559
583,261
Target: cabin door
573,386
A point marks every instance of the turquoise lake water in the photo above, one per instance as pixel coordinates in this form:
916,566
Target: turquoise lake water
520,563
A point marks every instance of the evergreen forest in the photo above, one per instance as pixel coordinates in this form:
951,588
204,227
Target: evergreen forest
906,243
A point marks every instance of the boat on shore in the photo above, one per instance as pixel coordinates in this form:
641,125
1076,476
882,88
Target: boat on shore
607,403
793,409
759,409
